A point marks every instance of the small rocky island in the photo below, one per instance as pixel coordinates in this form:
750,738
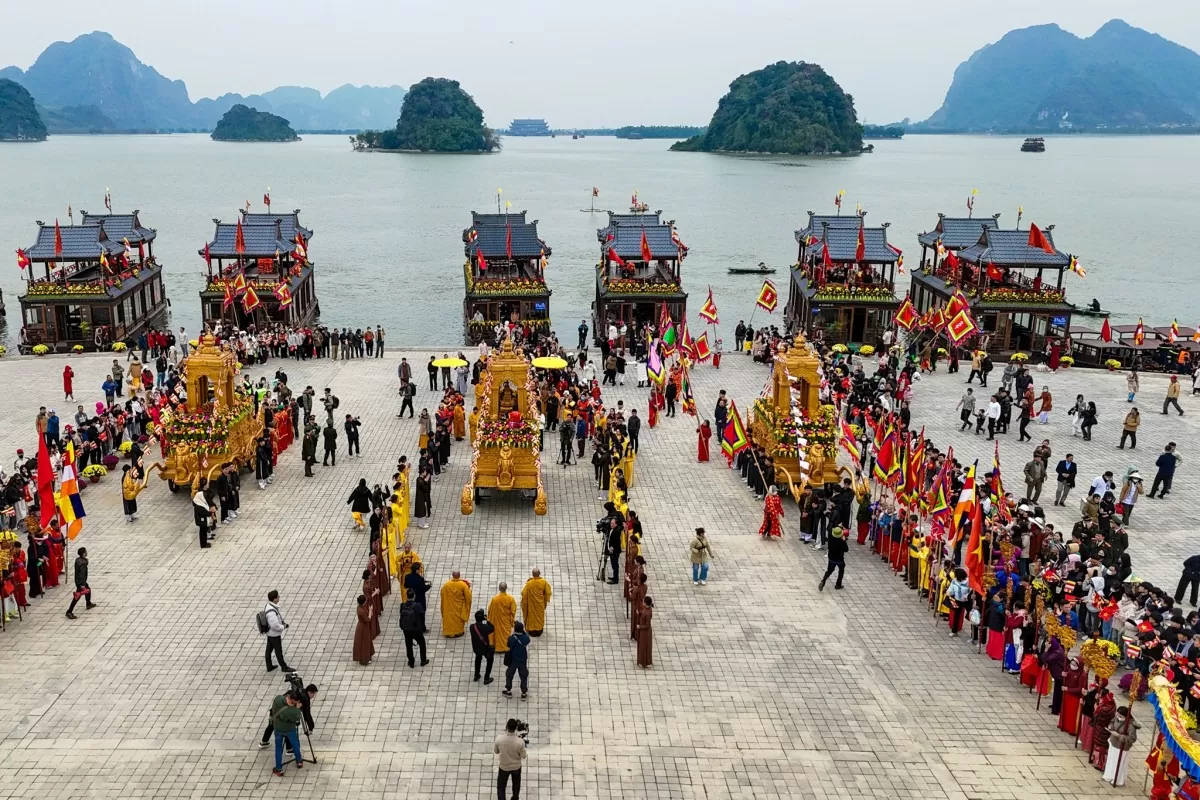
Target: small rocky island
244,124
437,116
19,118
787,108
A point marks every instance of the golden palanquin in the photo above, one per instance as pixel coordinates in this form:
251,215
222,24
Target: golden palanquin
507,440
218,424
790,410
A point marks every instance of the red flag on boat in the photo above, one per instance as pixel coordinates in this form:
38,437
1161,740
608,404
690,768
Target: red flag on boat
482,261
860,251
616,259
58,250
239,239
646,254
1039,240
22,259
207,255
508,241
1106,331
826,261
994,273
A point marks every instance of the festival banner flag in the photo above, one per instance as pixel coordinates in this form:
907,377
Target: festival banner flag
849,442
860,249
1076,268
1139,333
239,239
687,347
952,262
937,320
966,499
666,329
906,315
1173,334
508,241
103,259
616,259
1106,331
300,252
58,248
1195,334
227,301
646,254
974,555
936,504
837,201
284,295
108,200
23,261
708,311
994,273
997,482
482,261
70,504
45,484
703,351
239,284
733,438
768,297
250,301
654,365
899,257
887,460
961,326
207,255
595,191
689,402
1039,240
958,302
914,479
826,260
941,249
267,198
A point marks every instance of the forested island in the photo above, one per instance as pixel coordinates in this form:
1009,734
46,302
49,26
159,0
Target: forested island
437,116
19,118
883,131
787,108
244,124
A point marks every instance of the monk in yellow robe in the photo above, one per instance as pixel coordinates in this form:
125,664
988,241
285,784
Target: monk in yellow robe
502,613
534,599
627,465
456,605
473,421
406,559
459,426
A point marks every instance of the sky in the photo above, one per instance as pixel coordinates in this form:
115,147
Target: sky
610,63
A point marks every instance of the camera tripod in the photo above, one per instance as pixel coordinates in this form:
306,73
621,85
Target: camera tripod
298,685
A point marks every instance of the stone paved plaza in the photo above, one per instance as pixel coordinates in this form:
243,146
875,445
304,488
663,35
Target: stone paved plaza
761,686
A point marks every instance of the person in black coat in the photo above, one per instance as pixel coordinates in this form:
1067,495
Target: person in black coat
1190,577
672,393
614,548
415,588
329,436
633,426
262,462
423,502
482,645
360,503
837,558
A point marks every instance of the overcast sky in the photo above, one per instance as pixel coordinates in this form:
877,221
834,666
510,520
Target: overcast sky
609,62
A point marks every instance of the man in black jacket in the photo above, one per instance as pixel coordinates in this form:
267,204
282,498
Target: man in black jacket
565,436
837,558
671,393
352,425
1190,577
83,590
1067,470
415,587
481,643
633,427
614,548
329,434
412,623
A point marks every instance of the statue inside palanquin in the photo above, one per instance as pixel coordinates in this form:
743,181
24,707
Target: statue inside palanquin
508,398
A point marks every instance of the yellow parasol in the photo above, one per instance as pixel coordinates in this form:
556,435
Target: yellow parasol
549,362
449,362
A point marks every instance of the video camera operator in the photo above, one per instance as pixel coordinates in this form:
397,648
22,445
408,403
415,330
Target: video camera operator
510,746
305,695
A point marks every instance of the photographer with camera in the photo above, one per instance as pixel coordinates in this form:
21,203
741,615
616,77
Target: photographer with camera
510,746
306,695
285,719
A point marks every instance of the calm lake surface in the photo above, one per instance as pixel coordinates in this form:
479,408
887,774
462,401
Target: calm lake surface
388,227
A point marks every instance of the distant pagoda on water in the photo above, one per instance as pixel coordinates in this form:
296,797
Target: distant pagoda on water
529,127
505,276
91,284
259,272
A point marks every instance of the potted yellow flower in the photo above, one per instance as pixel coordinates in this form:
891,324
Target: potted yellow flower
40,349
77,348
1112,364
94,472
119,347
1066,361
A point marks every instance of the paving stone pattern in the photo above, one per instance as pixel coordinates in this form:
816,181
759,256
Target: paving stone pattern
761,687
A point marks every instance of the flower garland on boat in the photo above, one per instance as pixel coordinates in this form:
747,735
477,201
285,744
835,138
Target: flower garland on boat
1008,294
835,292
635,286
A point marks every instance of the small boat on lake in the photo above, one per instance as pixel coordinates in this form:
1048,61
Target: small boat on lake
1092,310
1034,144
761,269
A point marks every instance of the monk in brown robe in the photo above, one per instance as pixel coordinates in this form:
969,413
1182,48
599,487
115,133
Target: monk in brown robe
645,634
636,596
382,577
370,589
364,648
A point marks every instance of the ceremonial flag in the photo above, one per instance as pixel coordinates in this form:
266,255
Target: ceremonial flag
284,295
300,253
22,259
899,257
508,241
689,402
887,461
1174,332
250,301
937,320
952,261
646,254
906,315
733,438
1078,270
103,259
227,301
70,504
768,298
482,261
902,479
703,351
958,302
915,477
966,499
970,202
128,251
997,483
45,484
826,261
849,442
247,206
678,242
1106,331
595,192
941,249
239,239
239,284
543,262
709,310
1039,240
994,273
620,262
207,255
686,345
141,253
666,329
58,248
837,201
108,200
961,326
1139,333
1195,334
860,250
655,368
936,503
974,556
267,198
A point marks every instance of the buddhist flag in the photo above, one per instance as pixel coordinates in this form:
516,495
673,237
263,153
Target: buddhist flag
646,254
860,250
70,505
966,499
974,557
45,484
1195,334
849,442
616,259
482,261
708,311
768,297
1173,334
961,326
300,253
103,259
1139,333
58,248
702,349
733,438
239,284
284,295
1078,270
227,301
508,241
239,239
1039,240
250,301
654,365
1105,331
23,261
906,315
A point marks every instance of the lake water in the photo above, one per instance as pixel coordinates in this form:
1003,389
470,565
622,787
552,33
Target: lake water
388,227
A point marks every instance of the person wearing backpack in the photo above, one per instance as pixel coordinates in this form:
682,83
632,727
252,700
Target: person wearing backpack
412,615
481,643
517,661
330,402
271,623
